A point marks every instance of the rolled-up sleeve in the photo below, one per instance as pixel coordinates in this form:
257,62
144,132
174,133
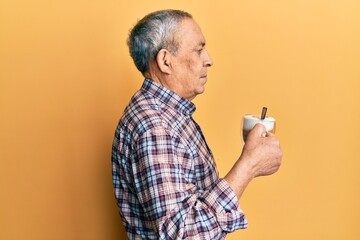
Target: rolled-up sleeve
174,207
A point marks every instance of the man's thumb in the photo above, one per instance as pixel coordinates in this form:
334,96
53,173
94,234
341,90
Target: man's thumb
259,130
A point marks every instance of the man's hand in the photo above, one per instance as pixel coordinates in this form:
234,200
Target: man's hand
261,152
261,156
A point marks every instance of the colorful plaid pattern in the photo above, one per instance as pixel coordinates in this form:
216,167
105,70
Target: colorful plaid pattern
165,178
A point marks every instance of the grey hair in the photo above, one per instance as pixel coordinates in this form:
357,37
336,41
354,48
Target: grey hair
154,32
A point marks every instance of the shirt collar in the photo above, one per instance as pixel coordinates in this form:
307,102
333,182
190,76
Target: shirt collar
169,97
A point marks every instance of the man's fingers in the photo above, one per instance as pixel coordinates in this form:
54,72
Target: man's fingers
259,130
269,134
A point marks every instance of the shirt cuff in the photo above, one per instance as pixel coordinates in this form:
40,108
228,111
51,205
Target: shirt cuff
224,203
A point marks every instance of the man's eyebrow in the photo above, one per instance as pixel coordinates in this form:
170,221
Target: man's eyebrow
201,44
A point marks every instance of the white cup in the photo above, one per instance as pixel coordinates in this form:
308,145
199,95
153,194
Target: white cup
250,121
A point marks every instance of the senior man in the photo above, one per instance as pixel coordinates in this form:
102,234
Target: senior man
165,178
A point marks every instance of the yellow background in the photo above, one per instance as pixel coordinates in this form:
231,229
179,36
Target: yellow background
66,76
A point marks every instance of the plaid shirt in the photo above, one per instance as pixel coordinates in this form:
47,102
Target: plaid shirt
165,178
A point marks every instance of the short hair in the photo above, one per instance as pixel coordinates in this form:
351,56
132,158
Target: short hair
154,32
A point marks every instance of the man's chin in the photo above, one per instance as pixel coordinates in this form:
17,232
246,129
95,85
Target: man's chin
200,90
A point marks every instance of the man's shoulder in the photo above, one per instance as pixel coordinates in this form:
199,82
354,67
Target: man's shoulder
142,113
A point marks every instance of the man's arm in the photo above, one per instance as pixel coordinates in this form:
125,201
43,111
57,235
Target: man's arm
174,206
261,156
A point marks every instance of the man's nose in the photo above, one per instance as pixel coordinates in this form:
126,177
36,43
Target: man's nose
208,61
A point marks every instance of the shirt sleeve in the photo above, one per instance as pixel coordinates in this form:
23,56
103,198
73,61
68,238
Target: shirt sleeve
175,207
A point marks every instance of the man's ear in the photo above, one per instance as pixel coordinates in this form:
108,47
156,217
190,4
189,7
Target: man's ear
163,60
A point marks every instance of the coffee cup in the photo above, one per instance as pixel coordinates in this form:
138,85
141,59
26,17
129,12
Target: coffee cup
250,121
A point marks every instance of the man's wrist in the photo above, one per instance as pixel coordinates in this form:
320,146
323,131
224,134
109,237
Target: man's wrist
239,177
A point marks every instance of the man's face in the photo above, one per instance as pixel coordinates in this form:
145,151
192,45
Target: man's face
191,61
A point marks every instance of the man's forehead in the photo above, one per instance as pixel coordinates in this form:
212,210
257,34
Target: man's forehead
191,32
